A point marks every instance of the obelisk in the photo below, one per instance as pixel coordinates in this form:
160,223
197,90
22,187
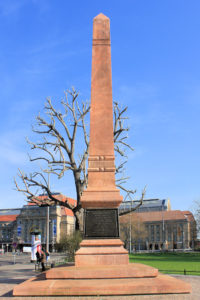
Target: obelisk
101,191
101,244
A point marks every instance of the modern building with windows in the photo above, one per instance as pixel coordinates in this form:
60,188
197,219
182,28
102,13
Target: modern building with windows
147,205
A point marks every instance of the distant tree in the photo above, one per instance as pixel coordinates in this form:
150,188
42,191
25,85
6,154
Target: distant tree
196,225
132,230
64,146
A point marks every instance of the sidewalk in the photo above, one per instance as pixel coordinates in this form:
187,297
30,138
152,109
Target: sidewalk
13,274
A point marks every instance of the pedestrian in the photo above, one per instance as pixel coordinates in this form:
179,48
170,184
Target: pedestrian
38,257
43,259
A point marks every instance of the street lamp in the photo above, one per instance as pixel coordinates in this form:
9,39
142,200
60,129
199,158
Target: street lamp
47,221
130,233
47,231
163,226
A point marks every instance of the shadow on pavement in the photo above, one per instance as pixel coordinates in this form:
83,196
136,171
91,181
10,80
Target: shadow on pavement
8,294
12,281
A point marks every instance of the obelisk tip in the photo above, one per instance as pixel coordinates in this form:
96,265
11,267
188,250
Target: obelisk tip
101,27
101,17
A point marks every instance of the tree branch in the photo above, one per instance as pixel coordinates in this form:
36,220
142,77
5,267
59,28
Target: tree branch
136,207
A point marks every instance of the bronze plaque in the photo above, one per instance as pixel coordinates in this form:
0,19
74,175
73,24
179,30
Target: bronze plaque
101,223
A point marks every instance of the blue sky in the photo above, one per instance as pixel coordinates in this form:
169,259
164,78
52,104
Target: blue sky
46,48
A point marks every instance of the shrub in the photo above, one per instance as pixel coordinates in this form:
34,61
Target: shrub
69,244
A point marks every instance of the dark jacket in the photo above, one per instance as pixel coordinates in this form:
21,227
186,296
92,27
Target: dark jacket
43,257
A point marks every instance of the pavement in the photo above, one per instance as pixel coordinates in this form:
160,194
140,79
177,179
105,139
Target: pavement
14,270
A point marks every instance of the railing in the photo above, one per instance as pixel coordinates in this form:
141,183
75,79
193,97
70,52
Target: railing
51,263
180,272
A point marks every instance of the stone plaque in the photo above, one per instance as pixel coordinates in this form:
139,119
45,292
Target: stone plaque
101,223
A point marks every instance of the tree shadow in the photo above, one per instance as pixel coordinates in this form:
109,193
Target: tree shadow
8,294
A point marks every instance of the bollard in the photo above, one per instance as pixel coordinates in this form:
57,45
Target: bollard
184,271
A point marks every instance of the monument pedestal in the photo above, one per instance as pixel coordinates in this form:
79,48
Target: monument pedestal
101,252
101,268
128,279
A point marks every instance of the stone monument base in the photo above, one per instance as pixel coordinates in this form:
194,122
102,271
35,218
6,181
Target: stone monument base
131,279
101,268
101,252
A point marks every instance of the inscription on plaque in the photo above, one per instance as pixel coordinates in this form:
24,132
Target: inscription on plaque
101,223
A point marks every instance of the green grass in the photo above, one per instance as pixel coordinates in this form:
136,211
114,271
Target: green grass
170,262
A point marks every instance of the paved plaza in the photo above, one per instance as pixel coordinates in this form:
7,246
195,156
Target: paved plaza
14,270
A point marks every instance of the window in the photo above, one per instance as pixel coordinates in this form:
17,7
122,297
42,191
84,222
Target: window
26,230
157,233
175,233
152,233
169,233
180,232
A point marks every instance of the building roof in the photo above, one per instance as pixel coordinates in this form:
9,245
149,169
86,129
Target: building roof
189,215
10,211
67,212
58,196
147,204
8,218
64,210
153,216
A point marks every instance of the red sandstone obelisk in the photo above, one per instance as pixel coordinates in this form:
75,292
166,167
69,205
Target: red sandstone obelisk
101,192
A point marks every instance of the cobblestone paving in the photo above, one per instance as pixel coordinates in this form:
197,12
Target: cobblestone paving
12,274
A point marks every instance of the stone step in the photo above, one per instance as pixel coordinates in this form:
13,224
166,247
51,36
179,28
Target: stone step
162,284
98,272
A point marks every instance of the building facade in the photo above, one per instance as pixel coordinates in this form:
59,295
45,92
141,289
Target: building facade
16,225
161,230
153,226
147,205
8,228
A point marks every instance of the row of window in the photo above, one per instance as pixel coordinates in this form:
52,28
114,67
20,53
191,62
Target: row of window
170,232
5,234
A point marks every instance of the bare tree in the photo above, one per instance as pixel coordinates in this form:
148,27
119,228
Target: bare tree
132,230
196,212
61,132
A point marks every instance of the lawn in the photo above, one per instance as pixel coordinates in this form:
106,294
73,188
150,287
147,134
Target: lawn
170,262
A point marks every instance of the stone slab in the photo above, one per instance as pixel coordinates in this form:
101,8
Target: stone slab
101,243
162,284
101,252
101,198
101,259
99,272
